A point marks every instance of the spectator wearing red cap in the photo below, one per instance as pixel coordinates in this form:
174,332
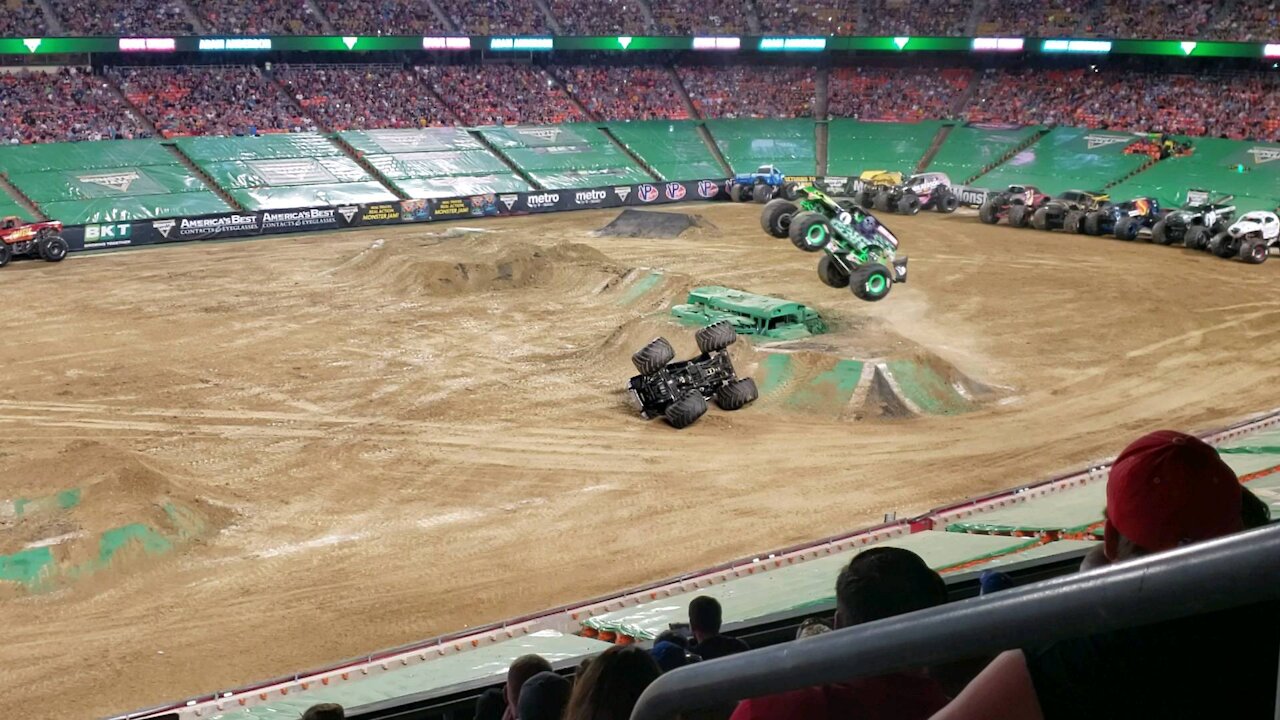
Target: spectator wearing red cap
1165,490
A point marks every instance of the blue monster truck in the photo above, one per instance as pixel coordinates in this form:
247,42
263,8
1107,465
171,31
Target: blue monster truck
762,185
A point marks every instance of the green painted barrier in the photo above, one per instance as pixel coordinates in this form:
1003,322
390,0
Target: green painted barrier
672,148
1069,159
104,210
791,145
278,198
854,146
968,149
1248,170
8,206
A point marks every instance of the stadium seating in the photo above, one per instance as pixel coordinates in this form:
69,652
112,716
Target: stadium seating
625,93
123,17
440,162
903,17
383,17
710,17
283,171
574,155
600,17
106,181
34,108
222,100
1246,21
501,94
262,17
902,95
21,18
673,149
1035,18
749,91
824,17
496,17
360,97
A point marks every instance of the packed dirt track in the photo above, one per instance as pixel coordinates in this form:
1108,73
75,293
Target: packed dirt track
353,441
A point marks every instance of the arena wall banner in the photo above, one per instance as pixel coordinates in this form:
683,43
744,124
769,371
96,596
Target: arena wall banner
272,222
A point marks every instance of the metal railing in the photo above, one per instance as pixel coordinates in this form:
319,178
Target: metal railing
1214,575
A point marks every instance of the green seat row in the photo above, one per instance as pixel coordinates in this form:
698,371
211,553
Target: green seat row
562,157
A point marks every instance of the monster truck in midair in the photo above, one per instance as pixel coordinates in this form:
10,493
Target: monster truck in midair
1066,211
761,185
1123,220
922,191
43,239
858,252
1198,220
679,391
1250,238
1001,204
776,216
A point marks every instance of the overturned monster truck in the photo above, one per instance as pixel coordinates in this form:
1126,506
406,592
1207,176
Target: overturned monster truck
680,391
42,239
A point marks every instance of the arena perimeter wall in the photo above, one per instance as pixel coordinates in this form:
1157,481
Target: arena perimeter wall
314,219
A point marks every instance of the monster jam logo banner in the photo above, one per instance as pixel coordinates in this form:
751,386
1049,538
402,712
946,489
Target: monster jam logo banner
119,182
1096,141
377,214
1264,154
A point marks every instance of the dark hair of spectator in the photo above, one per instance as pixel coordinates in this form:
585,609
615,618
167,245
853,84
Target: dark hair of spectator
612,684
324,711
883,582
705,615
1253,510
523,668
491,705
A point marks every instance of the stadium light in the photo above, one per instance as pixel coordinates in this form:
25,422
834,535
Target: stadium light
998,44
1268,50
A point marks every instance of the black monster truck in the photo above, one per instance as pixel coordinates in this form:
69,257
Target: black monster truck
1066,211
679,391
1198,220
1001,204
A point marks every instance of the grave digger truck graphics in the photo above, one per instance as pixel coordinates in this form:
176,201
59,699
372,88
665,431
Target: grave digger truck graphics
859,252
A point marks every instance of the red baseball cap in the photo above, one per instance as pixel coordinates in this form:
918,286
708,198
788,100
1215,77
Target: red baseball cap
1168,488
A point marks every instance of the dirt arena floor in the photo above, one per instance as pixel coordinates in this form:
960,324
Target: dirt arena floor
396,433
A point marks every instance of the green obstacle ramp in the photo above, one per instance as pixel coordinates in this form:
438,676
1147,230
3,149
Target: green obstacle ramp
791,145
485,662
829,392
673,148
926,388
854,146
1069,159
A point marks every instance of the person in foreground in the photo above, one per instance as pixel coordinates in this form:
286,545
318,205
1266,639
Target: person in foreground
705,619
877,584
611,684
1165,490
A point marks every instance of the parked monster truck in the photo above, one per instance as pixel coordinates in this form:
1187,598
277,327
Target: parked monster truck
1250,238
1198,220
1066,211
42,239
679,391
1123,220
761,185
923,191
860,253
872,182
999,205
776,216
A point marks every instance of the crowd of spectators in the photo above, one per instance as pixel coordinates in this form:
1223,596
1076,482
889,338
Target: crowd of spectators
1247,21
599,17
63,106
749,91
382,17
224,100
123,17
907,17
1152,19
824,17
501,94
711,17
496,17
1151,102
22,18
1035,18
261,17
625,93
361,97
902,95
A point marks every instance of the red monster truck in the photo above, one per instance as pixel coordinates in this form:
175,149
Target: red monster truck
1005,204
22,238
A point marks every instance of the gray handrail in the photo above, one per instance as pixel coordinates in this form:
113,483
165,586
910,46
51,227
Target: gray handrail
1208,576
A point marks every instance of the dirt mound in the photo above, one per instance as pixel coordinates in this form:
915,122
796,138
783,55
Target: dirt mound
475,264
650,224
89,507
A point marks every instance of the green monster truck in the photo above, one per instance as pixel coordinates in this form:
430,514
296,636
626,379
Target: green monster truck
860,253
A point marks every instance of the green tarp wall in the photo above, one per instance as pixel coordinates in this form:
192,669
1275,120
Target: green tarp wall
8,206
107,181
854,146
673,148
967,150
283,171
435,162
1068,159
1248,170
561,157
747,144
